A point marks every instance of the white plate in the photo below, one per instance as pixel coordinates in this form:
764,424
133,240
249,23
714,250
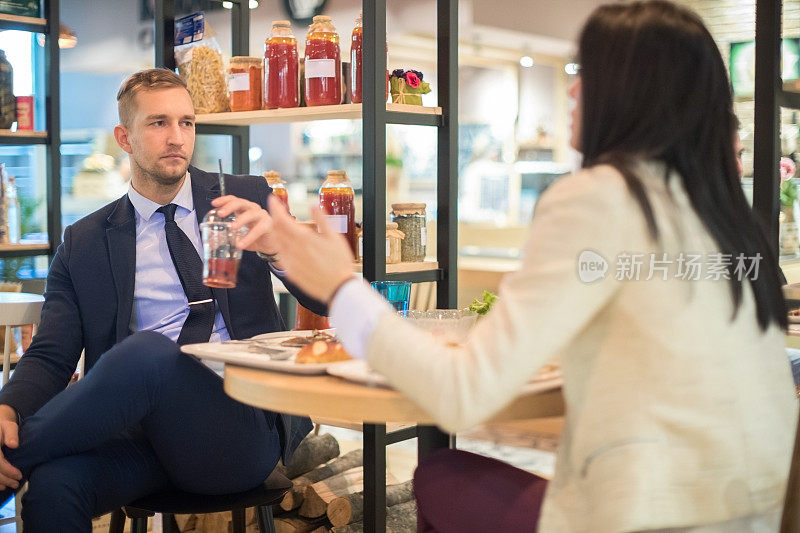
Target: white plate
238,354
357,370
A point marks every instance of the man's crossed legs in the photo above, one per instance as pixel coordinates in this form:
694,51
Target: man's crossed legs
145,419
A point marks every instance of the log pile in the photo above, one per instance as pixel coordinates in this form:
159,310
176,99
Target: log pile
326,496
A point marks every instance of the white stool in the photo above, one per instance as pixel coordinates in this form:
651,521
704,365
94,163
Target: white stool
17,309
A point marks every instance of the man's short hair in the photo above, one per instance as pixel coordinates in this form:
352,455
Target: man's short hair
144,80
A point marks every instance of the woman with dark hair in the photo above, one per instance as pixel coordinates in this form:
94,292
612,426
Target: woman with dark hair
645,274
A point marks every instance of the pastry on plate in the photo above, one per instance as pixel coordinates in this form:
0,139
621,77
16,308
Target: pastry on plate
322,351
299,342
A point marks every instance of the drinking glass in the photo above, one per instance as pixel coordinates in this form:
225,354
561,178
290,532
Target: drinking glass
397,293
220,255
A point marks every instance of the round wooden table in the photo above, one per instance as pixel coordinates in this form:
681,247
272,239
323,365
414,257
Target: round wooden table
332,398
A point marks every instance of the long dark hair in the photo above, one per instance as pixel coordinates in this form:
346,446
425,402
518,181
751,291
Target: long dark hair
654,86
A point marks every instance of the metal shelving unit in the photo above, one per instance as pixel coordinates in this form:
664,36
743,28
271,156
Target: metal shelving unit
51,137
375,115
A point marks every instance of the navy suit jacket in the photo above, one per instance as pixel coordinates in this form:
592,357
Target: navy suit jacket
89,300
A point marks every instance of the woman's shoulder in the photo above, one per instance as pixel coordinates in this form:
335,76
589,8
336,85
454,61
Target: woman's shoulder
600,185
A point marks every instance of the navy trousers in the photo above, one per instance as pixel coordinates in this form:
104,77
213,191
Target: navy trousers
146,418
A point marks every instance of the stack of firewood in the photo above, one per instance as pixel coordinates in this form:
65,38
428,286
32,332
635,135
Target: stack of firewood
326,496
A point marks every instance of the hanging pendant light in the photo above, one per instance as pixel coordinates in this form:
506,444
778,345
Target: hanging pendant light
66,37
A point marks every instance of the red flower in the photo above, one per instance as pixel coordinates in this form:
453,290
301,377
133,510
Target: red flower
412,80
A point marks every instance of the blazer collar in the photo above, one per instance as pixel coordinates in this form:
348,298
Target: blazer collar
121,238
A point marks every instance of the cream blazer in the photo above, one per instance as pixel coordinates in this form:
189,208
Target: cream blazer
677,414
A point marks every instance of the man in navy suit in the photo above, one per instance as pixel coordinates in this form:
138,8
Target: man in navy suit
124,286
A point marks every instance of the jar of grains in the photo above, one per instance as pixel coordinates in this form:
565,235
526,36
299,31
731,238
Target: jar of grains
410,219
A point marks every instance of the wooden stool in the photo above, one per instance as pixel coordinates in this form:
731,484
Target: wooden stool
170,503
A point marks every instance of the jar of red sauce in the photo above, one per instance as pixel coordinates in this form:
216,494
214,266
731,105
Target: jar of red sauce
278,186
245,78
356,63
336,199
323,64
281,75
306,319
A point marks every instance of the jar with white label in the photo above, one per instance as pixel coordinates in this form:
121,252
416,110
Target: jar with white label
410,219
394,238
245,81
323,64
336,199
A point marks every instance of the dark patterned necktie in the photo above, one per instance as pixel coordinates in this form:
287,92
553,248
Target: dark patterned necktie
202,313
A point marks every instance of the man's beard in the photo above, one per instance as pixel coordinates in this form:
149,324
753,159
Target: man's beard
162,177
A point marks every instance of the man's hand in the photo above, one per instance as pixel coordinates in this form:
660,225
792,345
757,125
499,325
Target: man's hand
254,218
9,437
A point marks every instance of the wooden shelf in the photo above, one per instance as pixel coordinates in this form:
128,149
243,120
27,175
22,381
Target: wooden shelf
403,268
401,113
17,22
23,137
18,250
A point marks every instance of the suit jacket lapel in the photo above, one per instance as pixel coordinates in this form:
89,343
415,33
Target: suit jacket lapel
205,187
121,236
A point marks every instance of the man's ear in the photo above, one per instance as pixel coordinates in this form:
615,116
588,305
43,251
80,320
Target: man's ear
121,136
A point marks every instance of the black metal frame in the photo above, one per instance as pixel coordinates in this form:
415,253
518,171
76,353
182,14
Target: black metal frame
240,137
53,110
770,96
768,86
375,117
53,126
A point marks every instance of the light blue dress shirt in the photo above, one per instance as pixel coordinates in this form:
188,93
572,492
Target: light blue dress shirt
159,302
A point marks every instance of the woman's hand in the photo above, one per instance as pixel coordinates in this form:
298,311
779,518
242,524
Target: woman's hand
252,216
318,263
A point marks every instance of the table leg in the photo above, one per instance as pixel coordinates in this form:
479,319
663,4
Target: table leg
374,478
430,439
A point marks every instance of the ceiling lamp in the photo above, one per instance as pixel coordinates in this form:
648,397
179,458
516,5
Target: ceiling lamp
526,61
66,37
252,4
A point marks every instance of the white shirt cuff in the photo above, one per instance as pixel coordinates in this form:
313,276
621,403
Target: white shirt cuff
280,273
355,312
